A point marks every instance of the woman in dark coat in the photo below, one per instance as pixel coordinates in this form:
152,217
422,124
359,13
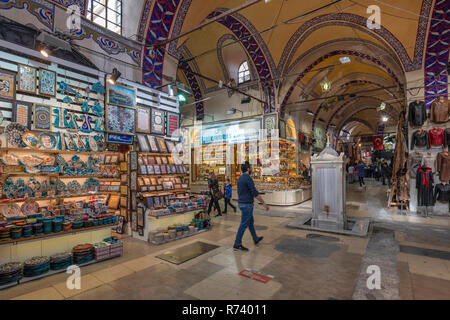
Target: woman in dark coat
213,186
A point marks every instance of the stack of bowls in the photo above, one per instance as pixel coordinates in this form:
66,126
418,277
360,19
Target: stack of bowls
77,224
10,272
83,253
27,230
16,232
36,266
60,261
48,225
5,233
67,226
38,228
57,225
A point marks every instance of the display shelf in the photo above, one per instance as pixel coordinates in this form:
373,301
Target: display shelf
178,238
162,175
110,179
174,214
48,175
155,153
54,235
50,273
165,191
55,151
51,198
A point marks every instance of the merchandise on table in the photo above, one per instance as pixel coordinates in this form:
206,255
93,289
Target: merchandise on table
36,266
10,272
60,261
83,253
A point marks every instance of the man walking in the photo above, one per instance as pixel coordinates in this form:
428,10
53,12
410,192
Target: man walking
246,193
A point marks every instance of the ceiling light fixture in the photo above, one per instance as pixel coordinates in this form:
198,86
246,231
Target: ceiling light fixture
382,106
44,50
384,119
233,111
345,60
309,112
325,85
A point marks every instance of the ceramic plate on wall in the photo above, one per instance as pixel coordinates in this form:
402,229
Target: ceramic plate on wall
47,140
14,132
11,210
93,144
30,207
31,140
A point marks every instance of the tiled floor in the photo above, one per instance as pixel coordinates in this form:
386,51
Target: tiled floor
303,267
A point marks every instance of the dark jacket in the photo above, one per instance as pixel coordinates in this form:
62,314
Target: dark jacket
424,185
420,140
417,113
447,137
360,169
214,185
246,189
227,191
441,192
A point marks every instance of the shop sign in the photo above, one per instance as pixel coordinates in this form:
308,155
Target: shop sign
231,133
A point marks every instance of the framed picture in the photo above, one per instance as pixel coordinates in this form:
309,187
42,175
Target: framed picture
115,138
124,178
113,202
147,181
150,169
7,85
47,83
150,202
124,190
163,170
120,120
143,169
158,160
154,182
143,143
152,143
133,161
173,121
122,156
140,216
42,117
170,146
161,144
114,159
120,95
143,115
157,169
27,79
108,159
151,160
123,202
141,182
123,166
164,160
170,160
158,122
270,122
21,113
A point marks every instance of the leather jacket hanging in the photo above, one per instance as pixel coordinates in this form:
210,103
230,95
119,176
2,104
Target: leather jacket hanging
442,192
440,111
420,139
447,138
417,113
436,137
443,165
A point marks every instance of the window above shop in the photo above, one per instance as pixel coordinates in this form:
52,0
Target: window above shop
243,73
106,13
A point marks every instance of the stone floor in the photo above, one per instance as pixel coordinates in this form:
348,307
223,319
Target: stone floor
411,252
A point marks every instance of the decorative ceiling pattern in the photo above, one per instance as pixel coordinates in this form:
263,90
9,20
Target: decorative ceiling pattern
42,10
437,53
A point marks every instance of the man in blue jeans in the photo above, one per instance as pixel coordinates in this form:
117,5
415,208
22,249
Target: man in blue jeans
246,193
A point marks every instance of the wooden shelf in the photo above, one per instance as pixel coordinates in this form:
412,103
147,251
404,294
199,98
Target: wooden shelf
162,175
55,151
48,175
155,154
2,201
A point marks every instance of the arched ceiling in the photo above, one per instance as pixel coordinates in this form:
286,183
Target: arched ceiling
298,54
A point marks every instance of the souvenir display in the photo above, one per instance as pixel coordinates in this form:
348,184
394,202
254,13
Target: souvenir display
152,143
170,146
31,140
14,132
21,113
161,144
120,95
47,140
47,83
172,122
143,143
30,207
10,272
7,85
158,122
42,118
120,120
10,210
143,115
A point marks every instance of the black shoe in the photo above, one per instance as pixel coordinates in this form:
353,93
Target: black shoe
259,239
241,247
224,212
219,215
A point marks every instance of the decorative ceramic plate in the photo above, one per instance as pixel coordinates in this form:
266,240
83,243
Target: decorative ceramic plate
10,267
31,140
60,186
11,210
30,207
14,132
74,187
35,261
31,161
93,144
47,140
10,160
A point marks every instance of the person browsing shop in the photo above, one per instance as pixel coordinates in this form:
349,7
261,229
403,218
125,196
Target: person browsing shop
227,197
246,194
360,172
214,192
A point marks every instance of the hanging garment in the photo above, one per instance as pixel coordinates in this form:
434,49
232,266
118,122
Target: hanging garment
378,142
417,113
443,165
447,138
440,111
424,185
420,140
429,160
436,137
414,162
442,192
